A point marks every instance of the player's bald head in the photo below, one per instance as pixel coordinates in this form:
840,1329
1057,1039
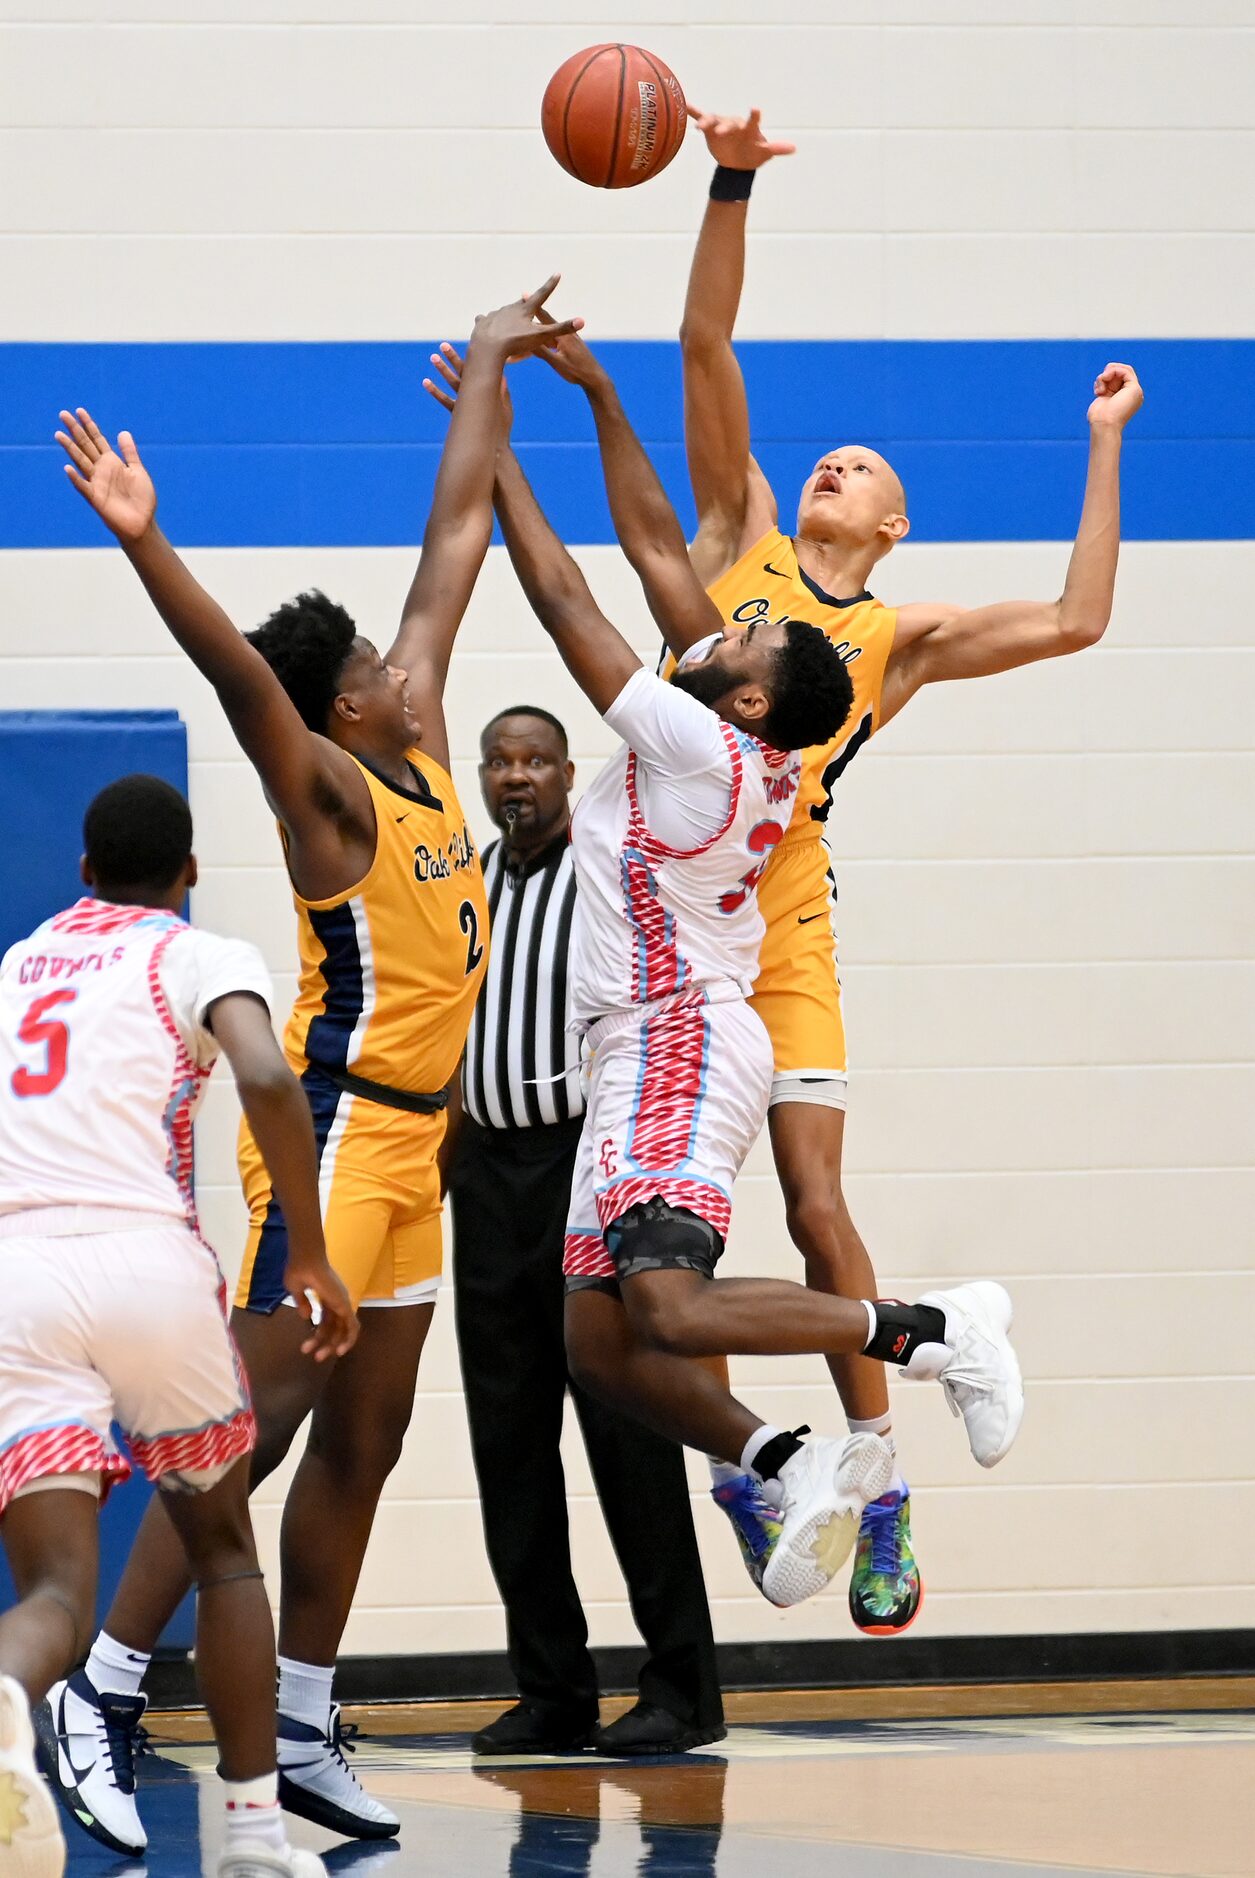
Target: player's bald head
854,497
884,470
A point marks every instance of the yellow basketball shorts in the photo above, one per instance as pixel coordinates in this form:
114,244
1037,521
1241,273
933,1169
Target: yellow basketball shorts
380,1193
797,993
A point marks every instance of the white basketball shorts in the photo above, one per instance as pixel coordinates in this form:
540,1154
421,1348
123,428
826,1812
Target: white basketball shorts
677,1095
122,1325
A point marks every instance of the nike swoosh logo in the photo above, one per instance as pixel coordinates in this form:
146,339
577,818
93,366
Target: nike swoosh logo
804,919
404,817
769,569
80,1773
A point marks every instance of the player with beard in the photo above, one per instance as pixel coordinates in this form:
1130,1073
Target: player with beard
670,842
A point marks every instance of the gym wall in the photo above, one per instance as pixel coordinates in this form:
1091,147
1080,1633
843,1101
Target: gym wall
1047,884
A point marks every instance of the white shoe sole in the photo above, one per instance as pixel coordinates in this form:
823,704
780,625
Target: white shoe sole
809,1559
31,1843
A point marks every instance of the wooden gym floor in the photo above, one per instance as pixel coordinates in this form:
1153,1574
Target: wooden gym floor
1125,1779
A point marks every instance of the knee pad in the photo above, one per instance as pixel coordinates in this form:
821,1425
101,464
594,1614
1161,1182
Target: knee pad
653,1236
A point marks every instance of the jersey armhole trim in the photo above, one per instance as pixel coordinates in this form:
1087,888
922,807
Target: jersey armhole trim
644,836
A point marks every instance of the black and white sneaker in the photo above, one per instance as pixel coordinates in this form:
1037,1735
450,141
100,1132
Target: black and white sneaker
87,1743
317,1783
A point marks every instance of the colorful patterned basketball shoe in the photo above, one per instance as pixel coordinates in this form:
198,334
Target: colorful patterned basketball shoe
755,1521
885,1587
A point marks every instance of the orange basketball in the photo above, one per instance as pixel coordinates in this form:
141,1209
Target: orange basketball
613,116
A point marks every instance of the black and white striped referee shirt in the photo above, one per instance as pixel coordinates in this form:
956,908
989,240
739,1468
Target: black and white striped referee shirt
522,1063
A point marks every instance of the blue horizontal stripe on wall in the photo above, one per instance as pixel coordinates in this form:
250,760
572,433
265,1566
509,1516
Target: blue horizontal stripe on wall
255,445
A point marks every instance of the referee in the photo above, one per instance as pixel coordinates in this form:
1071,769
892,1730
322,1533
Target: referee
509,1184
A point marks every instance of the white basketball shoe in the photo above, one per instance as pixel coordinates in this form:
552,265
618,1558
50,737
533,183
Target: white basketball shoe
268,1861
826,1485
317,1783
31,1844
87,1745
976,1366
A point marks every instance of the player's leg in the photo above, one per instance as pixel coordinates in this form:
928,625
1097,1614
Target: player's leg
235,1646
958,1337
798,997
49,1535
384,1201
822,1485
807,1137
354,1442
160,1343
97,1710
55,1416
283,1386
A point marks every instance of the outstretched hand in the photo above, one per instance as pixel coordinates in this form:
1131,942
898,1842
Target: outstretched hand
1117,396
118,486
449,363
514,330
738,143
568,354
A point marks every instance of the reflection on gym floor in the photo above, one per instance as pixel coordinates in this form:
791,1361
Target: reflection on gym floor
1162,1795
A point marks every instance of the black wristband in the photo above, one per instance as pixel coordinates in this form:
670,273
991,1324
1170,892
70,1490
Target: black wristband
731,185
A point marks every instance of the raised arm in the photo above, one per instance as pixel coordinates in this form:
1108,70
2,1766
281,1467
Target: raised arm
647,526
935,642
595,653
734,502
301,773
459,526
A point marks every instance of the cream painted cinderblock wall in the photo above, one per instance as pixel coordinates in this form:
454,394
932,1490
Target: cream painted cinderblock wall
1047,880
1047,895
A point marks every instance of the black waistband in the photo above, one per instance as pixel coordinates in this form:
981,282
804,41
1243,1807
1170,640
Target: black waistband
411,1100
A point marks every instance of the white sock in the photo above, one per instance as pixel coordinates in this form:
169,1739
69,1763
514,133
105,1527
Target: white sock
881,1425
305,1692
253,1813
721,1472
112,1669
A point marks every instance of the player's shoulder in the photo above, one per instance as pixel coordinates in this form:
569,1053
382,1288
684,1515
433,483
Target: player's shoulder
196,954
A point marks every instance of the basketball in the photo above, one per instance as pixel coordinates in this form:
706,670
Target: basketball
613,116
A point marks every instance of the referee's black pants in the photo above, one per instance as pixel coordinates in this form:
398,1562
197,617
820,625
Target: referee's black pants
509,1190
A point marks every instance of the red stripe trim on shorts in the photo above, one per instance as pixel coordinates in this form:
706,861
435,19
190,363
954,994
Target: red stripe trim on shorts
197,1448
674,1048
75,1449
584,1255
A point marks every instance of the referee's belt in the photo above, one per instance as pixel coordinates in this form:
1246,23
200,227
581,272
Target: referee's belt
413,1101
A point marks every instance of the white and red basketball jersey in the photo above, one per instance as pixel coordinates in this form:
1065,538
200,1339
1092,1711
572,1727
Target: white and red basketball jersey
670,844
104,1054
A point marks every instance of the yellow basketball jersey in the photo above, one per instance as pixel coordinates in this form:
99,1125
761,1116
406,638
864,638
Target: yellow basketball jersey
391,969
767,584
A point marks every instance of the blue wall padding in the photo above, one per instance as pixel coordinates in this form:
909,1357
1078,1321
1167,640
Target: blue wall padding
324,444
51,765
